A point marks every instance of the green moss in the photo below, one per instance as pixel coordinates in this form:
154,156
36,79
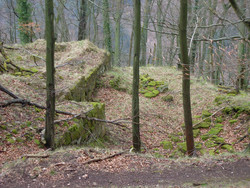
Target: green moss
205,137
210,144
220,99
37,142
8,135
152,83
28,123
156,92
37,109
167,144
162,88
115,83
168,98
208,120
143,91
73,128
198,146
227,110
10,140
175,138
205,114
14,131
211,152
149,95
20,140
219,119
202,125
214,131
4,127
233,121
228,147
182,147
218,139
196,132
158,155
197,116
218,125
29,135
150,88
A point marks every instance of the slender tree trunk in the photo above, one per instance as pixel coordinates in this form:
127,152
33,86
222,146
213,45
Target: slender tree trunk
118,16
186,77
135,100
61,18
144,32
106,28
131,45
242,55
82,21
50,70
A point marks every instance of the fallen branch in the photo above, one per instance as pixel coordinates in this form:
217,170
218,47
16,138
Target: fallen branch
9,61
242,138
105,158
209,116
114,122
35,156
8,92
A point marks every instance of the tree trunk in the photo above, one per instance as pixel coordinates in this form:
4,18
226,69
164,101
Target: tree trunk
50,70
186,77
106,27
118,16
144,32
82,21
135,100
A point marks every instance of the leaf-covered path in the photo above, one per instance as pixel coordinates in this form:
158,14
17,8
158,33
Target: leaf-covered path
68,169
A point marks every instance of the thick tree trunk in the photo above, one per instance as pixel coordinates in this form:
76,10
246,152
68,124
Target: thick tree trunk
82,21
135,100
186,77
50,71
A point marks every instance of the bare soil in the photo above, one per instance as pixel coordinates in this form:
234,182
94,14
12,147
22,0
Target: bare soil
67,169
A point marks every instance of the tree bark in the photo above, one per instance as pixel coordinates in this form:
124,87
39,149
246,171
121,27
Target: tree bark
82,21
135,100
186,77
106,27
50,70
144,32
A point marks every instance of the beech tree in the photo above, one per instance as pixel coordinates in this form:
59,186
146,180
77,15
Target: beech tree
82,21
186,77
135,100
50,71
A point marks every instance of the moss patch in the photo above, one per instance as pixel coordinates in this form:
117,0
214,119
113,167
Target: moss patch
214,131
151,88
168,98
167,145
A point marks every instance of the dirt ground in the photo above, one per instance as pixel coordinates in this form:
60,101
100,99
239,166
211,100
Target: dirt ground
69,169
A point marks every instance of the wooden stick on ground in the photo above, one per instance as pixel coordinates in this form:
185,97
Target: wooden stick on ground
105,158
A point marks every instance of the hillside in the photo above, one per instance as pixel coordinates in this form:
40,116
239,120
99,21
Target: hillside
161,132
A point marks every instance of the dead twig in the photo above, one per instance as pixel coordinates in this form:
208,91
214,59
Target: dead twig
35,156
105,158
209,116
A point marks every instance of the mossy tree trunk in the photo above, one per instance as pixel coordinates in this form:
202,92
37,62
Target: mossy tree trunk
24,18
106,27
135,100
186,77
50,71
82,21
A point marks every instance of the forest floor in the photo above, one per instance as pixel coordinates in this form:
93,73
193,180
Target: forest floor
162,162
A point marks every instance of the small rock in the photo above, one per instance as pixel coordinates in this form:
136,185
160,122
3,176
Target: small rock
94,184
85,176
